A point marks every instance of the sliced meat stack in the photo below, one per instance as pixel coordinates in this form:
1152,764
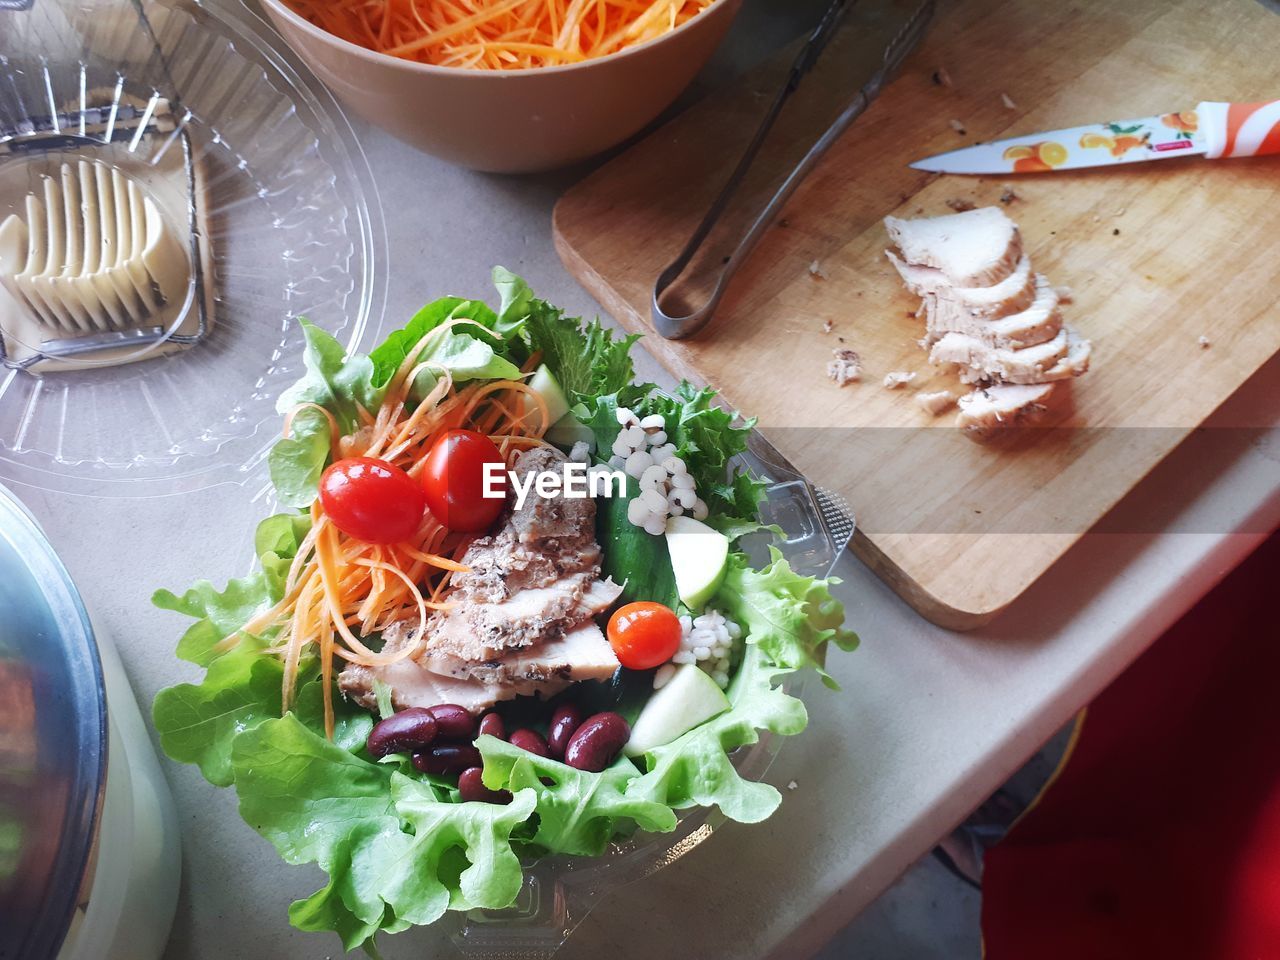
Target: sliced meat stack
520,621
989,313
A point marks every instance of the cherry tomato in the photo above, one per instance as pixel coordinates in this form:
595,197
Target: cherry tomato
372,500
644,635
454,481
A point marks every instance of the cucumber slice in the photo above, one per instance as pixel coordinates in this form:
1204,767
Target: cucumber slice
545,384
690,697
699,556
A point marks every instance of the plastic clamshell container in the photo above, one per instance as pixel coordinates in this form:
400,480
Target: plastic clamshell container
288,219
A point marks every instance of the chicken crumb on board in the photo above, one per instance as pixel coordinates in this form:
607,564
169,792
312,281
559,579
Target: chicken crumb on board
936,403
1008,102
960,204
816,271
791,785
958,127
942,78
897,378
846,367
827,326
1008,195
1205,342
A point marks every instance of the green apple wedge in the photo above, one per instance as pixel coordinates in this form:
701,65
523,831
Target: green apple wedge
565,429
544,383
699,556
689,698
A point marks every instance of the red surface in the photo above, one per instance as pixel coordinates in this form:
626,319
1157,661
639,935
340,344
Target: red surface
1161,836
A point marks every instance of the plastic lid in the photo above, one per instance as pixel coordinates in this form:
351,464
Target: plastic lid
53,749
197,106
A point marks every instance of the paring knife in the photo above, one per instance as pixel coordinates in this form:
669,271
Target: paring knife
1212,130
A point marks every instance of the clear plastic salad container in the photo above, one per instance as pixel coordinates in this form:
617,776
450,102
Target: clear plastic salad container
283,222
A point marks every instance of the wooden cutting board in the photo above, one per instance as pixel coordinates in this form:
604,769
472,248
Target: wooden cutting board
1158,255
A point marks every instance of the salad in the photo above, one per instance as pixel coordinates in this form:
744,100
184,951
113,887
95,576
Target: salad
501,614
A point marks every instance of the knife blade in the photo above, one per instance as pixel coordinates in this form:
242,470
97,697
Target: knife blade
1212,130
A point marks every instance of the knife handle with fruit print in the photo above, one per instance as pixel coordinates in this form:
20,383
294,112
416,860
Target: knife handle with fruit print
1240,129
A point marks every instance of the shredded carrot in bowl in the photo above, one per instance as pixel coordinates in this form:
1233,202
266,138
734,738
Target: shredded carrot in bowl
498,34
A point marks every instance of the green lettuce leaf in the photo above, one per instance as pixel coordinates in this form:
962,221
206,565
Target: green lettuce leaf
695,769
297,461
199,723
336,382
789,616
276,542
584,358
578,811
387,357
515,300
707,437
218,613
318,803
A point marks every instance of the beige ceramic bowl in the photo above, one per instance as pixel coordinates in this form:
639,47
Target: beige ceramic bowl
510,121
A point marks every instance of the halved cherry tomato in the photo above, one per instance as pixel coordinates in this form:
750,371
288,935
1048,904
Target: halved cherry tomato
454,481
372,500
644,634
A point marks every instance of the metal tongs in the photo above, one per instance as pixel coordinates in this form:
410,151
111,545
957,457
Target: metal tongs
678,328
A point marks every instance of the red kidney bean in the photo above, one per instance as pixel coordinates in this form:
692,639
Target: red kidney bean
492,725
530,740
566,719
453,722
404,732
594,745
447,758
471,787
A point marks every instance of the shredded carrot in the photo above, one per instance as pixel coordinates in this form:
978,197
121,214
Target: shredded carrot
339,592
499,34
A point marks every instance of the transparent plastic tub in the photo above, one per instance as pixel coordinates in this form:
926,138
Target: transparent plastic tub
285,208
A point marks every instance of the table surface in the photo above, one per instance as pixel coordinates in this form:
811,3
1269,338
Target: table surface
928,723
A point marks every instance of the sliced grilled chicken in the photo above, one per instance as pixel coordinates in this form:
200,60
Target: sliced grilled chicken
977,248
582,653
1039,321
414,686
988,313
1015,292
986,412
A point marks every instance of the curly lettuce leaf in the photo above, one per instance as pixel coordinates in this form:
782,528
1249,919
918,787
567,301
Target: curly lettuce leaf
578,811
789,616
218,613
695,769
297,461
388,356
584,358
318,803
706,438
198,723
339,383
276,543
